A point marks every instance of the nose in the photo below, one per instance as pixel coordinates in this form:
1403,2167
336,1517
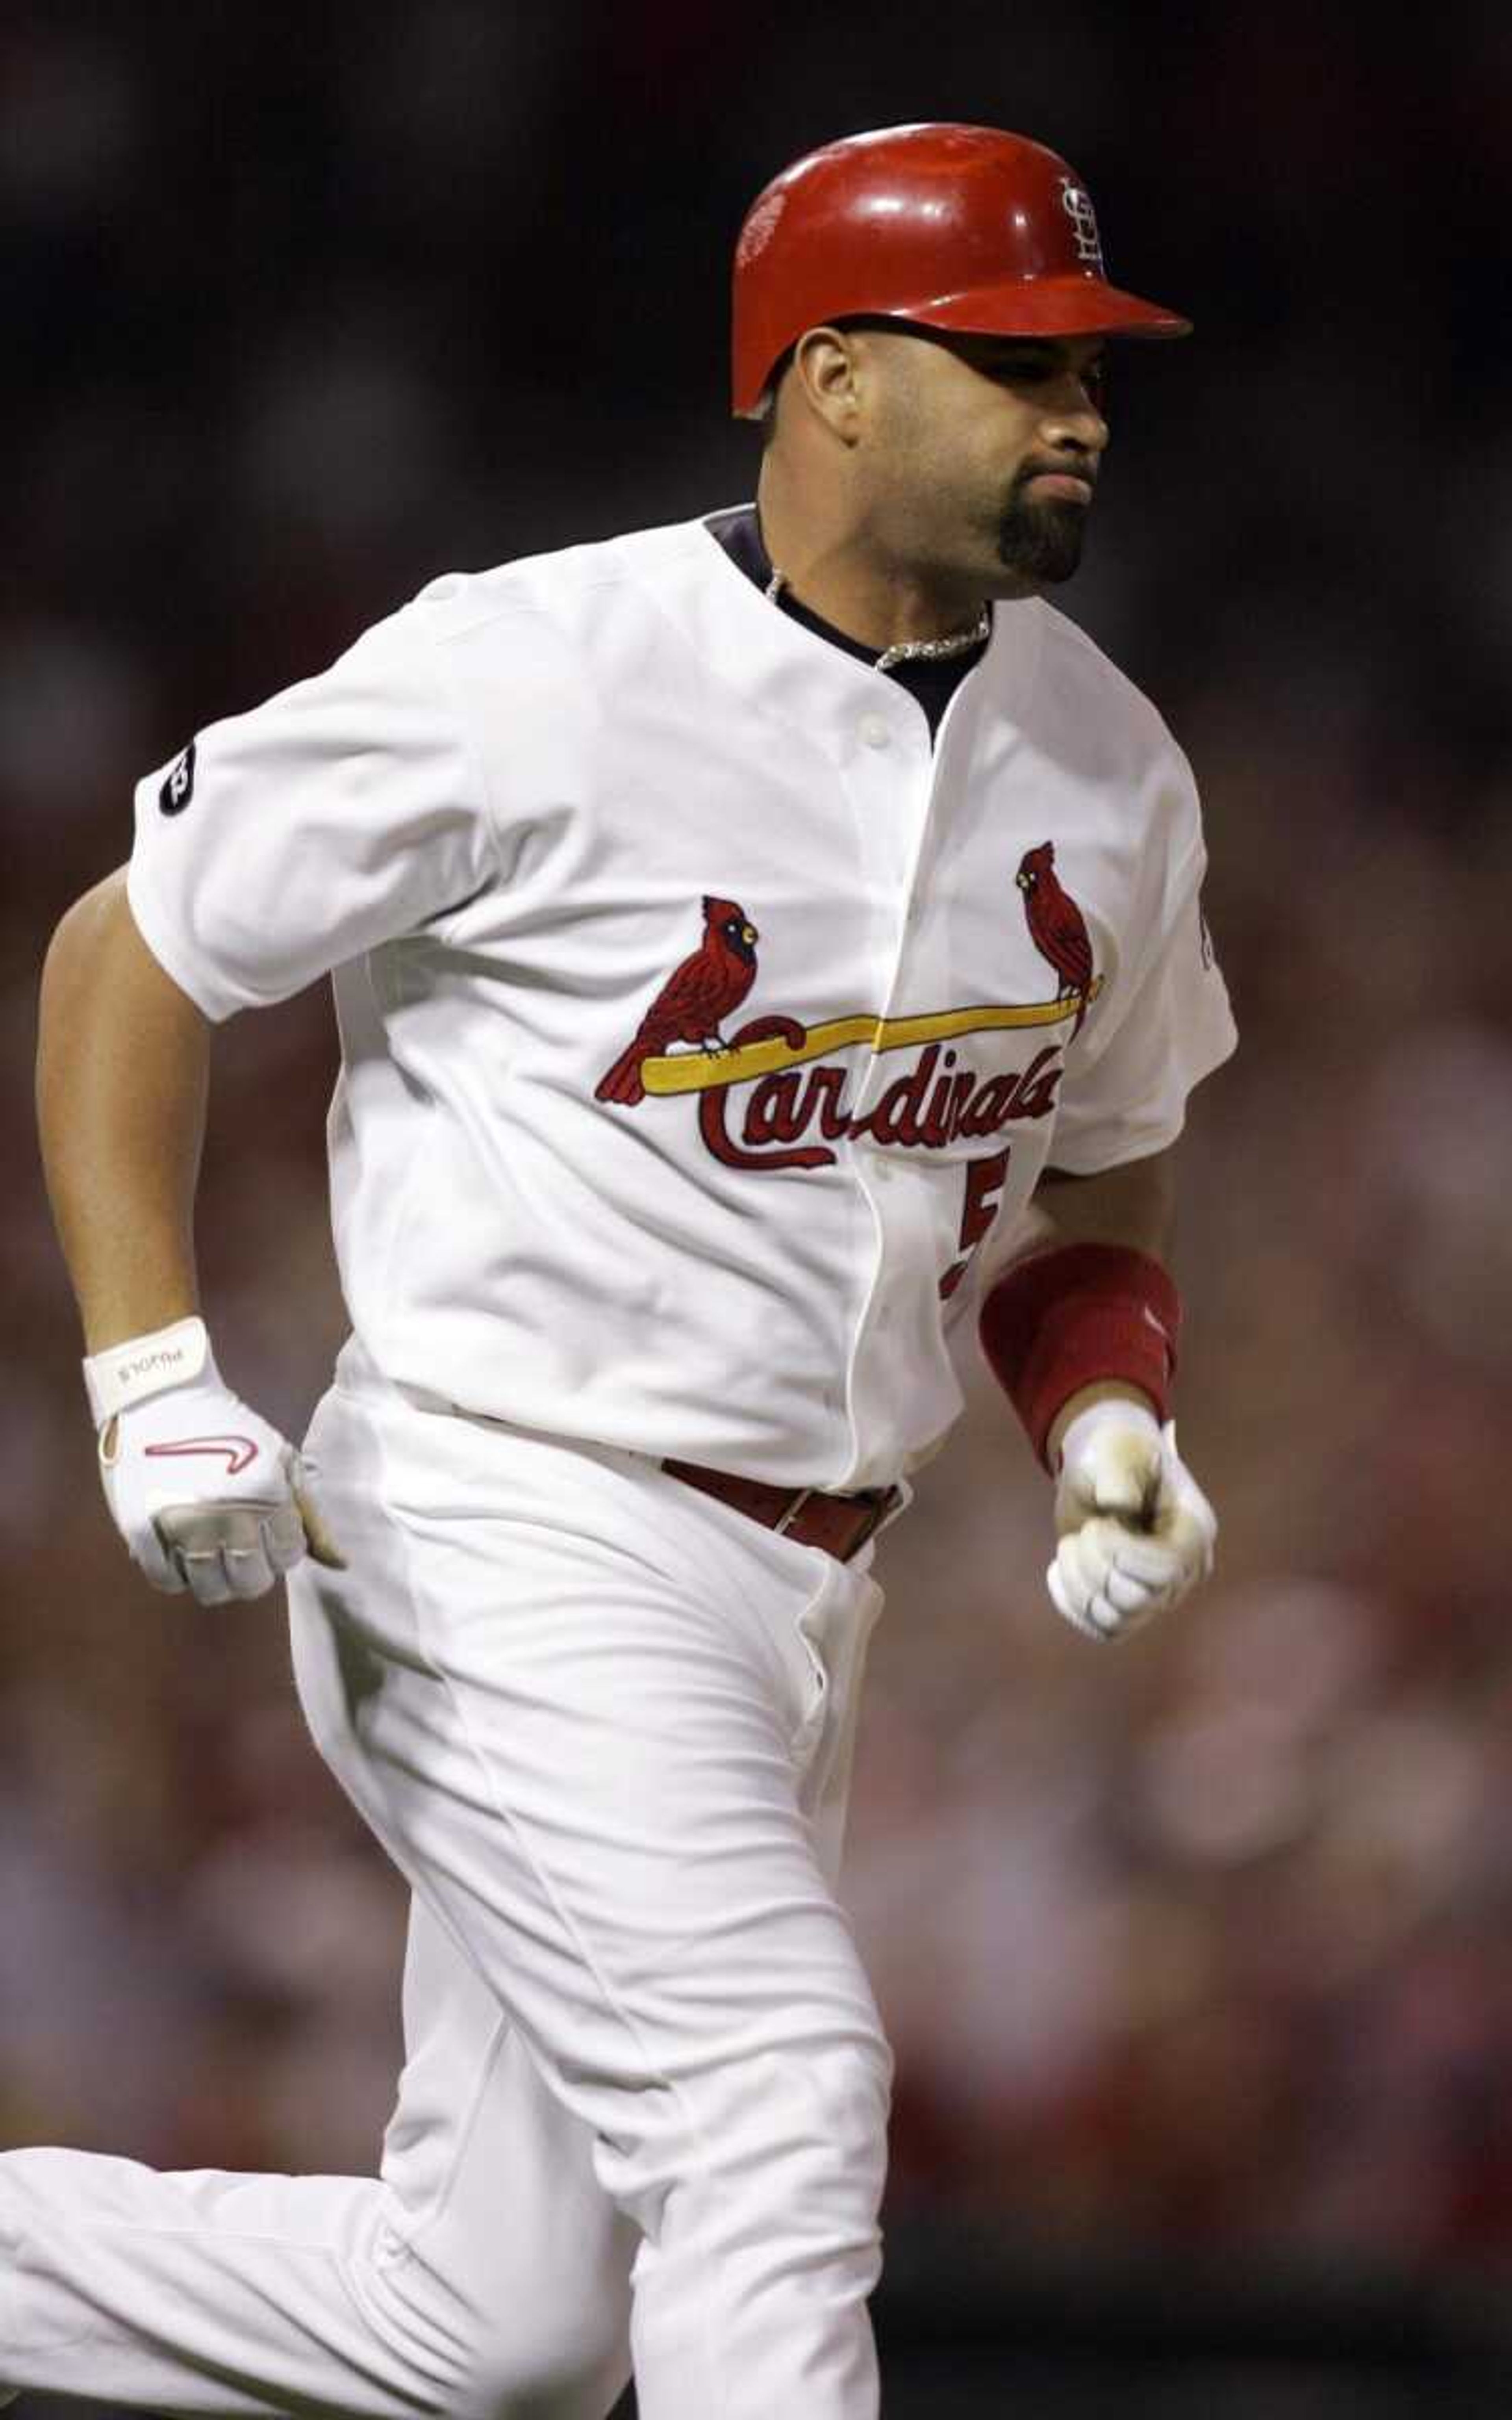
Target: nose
1073,418
1083,431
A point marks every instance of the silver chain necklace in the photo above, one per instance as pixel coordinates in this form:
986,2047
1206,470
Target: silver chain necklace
912,651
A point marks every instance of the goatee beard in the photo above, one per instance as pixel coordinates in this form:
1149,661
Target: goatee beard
1041,542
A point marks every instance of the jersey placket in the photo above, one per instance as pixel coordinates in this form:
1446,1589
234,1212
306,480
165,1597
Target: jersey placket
896,780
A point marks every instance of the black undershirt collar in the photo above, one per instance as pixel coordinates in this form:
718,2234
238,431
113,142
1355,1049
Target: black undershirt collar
930,684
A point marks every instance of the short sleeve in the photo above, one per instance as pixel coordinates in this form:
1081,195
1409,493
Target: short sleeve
1176,1026
341,813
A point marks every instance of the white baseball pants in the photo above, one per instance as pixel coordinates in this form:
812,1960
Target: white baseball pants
603,1725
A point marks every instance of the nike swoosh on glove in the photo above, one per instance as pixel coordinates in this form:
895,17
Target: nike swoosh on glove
208,1496
1136,1532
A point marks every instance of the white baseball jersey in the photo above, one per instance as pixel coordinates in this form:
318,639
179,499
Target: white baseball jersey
700,1019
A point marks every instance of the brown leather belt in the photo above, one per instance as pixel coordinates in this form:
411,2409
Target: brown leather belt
840,1523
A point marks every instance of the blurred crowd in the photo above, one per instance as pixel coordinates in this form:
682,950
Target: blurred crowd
1204,1940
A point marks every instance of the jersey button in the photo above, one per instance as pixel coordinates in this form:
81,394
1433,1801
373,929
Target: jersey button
876,731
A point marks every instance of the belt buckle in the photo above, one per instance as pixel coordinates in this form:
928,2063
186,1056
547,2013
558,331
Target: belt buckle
878,1502
800,1502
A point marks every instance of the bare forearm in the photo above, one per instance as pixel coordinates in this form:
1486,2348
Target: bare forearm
122,1074
1133,1204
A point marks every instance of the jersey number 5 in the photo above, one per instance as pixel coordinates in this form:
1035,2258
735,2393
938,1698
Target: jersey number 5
985,1179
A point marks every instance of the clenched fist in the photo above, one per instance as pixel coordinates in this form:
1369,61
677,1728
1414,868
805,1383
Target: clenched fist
207,1496
1136,1532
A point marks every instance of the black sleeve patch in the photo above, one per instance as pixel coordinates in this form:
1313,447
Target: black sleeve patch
179,788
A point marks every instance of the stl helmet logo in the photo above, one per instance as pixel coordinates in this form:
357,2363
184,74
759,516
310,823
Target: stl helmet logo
1077,204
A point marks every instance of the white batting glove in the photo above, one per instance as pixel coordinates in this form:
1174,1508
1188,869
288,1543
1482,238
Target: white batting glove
207,1496
1136,1532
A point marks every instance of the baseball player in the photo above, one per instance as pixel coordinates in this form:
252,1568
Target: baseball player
760,947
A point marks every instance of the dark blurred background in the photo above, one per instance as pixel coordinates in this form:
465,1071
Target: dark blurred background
1197,1957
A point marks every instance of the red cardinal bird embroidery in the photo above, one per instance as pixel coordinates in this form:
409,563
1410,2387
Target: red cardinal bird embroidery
693,1002
1057,926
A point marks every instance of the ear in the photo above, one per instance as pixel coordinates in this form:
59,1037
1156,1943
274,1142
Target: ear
828,373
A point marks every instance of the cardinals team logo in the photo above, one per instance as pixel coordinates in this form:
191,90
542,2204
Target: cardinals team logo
793,1120
693,1002
1056,927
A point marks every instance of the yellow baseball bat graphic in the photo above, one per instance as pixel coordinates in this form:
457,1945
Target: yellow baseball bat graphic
695,1071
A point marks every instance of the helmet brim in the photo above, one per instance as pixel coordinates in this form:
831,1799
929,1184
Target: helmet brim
1038,306
1047,306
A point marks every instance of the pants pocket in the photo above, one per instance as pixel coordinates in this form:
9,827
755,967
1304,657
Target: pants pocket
815,1639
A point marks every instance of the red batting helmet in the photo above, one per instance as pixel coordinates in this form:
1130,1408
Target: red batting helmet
949,226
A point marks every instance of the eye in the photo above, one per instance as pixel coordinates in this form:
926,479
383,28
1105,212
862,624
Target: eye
1043,369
